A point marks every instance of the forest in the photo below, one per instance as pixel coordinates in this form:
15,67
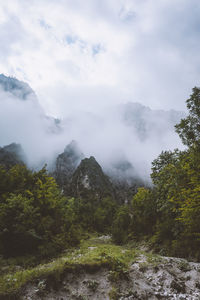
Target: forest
37,219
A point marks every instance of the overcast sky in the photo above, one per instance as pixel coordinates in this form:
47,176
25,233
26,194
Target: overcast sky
92,53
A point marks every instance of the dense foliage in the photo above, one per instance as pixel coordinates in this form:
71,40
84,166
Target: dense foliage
168,215
36,218
33,214
176,177
189,128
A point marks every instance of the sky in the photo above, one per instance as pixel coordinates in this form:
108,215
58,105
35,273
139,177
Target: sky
91,54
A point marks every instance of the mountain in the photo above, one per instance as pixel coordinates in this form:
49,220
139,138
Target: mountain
89,180
23,121
11,155
124,180
66,164
123,138
16,87
147,122
79,176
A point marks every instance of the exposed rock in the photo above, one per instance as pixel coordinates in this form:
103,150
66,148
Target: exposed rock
18,88
84,177
22,91
66,164
124,180
90,180
144,121
11,155
167,283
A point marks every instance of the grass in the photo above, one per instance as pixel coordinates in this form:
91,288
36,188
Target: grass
93,254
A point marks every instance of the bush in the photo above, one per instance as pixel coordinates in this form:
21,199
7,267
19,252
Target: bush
34,216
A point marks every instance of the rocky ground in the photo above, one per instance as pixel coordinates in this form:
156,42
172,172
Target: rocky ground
149,277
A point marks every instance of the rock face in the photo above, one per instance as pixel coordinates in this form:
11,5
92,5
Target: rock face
83,177
147,122
90,180
66,164
18,88
163,278
124,180
22,91
11,155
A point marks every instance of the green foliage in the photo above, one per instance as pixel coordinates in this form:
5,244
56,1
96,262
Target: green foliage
143,212
177,187
189,128
121,225
104,215
114,294
169,214
34,216
92,254
92,285
176,176
92,214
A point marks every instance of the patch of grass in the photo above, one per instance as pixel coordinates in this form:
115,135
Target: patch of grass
114,294
154,259
184,266
92,285
143,267
91,256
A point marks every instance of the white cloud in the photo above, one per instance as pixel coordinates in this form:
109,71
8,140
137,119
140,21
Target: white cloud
143,50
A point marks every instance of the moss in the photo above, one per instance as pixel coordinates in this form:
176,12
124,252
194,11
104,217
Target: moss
114,294
184,266
92,285
90,257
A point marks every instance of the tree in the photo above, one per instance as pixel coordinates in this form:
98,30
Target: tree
121,225
189,128
143,212
34,215
104,215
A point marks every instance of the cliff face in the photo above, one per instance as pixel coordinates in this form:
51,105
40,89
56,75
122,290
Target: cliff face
79,176
11,155
124,180
90,180
147,276
17,88
83,177
66,164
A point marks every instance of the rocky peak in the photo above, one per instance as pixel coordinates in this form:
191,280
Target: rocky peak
90,180
18,88
66,164
11,155
124,179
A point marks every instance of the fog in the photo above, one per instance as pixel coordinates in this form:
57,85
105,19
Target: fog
127,132
89,62
110,51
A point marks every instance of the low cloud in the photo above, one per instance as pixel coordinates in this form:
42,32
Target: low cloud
122,133
84,59
144,50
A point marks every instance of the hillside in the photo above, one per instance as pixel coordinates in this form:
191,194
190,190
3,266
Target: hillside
48,215
102,270
117,136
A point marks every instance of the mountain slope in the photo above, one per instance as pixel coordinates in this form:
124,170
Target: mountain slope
16,87
66,164
11,155
89,180
101,270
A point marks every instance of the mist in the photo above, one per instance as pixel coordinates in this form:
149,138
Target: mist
88,63
114,133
